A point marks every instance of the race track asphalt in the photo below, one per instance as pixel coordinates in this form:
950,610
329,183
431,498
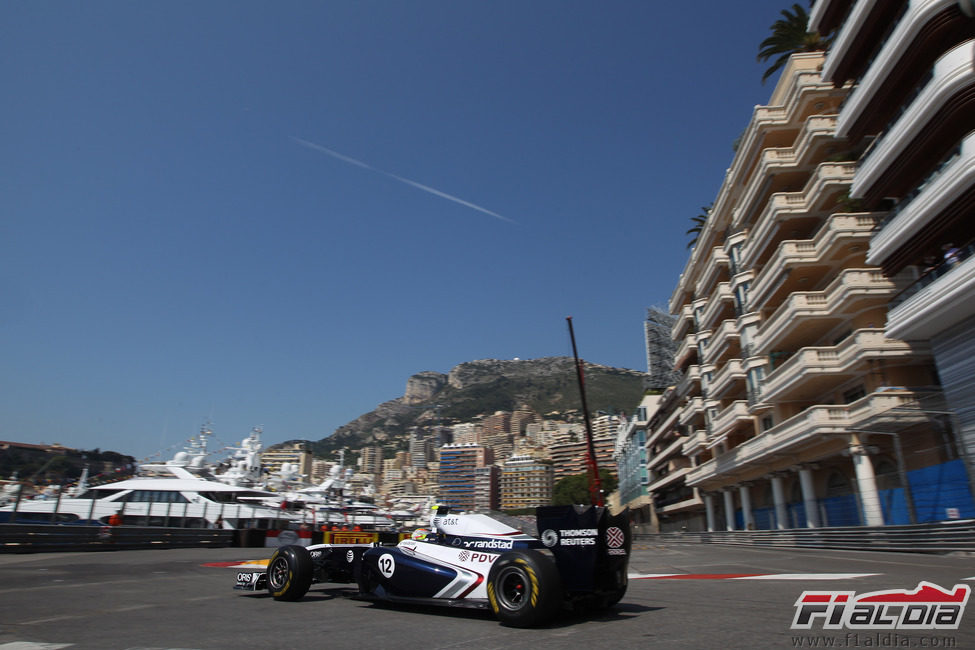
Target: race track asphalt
680,596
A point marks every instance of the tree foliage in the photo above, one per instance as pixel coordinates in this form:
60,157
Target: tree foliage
790,35
698,227
574,489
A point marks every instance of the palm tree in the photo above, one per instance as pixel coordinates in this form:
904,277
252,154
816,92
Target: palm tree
790,35
698,226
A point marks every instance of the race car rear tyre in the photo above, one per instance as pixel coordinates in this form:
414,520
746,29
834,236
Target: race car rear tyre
524,588
289,573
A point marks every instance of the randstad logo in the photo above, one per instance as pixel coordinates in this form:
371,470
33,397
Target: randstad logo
928,607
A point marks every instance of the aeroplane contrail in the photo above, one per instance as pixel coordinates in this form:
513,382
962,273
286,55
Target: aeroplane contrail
406,181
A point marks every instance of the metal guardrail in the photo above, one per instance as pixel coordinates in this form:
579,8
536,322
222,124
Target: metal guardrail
28,538
918,538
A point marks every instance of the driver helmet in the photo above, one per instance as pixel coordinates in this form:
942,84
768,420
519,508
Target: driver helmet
420,534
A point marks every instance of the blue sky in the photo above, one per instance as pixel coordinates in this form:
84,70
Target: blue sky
273,213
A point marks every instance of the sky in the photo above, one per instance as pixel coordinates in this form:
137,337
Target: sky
274,213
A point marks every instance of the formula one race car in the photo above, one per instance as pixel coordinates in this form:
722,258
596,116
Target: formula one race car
578,561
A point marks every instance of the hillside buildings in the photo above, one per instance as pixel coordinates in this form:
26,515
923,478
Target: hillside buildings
570,457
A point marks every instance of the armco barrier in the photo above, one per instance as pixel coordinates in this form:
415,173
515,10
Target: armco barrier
919,538
30,538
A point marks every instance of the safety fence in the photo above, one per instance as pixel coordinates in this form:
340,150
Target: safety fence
39,538
945,537
27,538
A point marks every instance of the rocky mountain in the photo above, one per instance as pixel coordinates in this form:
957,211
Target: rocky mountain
476,388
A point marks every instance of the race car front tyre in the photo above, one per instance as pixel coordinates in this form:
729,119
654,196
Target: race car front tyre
289,573
367,579
524,588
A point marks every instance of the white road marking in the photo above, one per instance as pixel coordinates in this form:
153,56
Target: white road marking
764,576
809,576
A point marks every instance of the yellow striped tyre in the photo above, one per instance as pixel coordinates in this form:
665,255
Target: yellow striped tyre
524,588
289,573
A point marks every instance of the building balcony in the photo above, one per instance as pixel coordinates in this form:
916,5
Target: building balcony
684,323
693,409
842,236
735,416
915,38
715,270
941,300
786,442
806,317
729,381
695,443
693,503
691,383
720,303
666,454
675,476
779,169
723,339
827,15
864,28
932,124
686,351
788,212
908,231
668,425
814,371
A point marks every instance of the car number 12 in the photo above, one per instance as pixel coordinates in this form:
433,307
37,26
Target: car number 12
387,565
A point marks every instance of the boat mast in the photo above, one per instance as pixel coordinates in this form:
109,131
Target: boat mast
595,486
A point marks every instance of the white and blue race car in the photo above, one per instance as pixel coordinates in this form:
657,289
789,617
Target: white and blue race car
579,560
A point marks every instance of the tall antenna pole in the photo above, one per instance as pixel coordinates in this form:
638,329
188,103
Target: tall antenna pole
595,486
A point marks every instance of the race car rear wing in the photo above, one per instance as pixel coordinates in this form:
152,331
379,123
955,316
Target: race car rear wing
590,545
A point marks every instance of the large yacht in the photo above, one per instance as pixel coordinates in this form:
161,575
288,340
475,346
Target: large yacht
180,492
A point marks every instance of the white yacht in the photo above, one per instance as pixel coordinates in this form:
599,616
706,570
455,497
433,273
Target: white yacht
180,493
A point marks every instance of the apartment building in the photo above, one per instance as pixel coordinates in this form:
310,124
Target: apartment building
570,458
371,460
458,473
296,454
486,481
630,454
526,482
797,409
912,64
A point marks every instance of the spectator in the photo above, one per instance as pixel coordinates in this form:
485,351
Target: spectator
115,519
951,254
